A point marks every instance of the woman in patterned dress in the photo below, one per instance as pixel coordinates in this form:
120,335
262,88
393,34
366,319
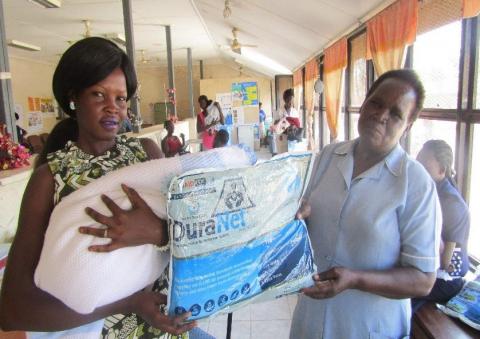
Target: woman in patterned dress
92,84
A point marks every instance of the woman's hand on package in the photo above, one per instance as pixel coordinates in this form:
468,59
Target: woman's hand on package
330,283
304,210
137,226
147,305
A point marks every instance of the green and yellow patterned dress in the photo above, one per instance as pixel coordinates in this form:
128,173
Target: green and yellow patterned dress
72,168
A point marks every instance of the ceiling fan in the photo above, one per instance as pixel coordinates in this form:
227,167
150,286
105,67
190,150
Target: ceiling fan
88,30
235,45
118,38
87,33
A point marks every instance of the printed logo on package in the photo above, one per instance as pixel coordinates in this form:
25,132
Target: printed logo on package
233,198
234,236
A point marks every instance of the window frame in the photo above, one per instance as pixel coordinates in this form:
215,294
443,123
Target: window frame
465,115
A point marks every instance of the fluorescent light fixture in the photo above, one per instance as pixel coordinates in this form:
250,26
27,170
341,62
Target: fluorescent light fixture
117,37
48,3
23,45
264,61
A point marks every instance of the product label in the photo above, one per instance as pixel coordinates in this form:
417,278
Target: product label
234,237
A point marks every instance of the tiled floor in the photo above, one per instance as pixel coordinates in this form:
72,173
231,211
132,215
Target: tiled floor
267,320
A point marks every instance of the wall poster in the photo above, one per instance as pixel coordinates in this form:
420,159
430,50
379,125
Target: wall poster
245,93
35,122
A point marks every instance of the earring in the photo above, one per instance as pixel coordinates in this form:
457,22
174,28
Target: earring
72,105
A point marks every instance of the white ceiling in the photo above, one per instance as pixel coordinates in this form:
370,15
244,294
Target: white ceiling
285,31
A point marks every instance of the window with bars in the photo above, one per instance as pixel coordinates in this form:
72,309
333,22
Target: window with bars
358,70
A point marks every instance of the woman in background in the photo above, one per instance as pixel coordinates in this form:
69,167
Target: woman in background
171,144
206,130
437,158
280,122
92,83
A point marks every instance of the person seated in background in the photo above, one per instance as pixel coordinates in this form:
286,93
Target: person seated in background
171,144
221,139
437,158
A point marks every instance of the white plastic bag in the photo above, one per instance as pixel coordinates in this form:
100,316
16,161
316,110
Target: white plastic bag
85,280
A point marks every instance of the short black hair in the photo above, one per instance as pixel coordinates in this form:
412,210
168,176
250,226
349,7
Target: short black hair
288,93
202,97
221,138
408,76
166,123
86,63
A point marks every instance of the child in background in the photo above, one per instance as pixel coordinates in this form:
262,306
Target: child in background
221,139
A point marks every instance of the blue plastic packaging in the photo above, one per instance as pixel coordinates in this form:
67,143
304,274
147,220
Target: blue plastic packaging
234,237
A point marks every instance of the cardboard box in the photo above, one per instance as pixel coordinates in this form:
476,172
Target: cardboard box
281,143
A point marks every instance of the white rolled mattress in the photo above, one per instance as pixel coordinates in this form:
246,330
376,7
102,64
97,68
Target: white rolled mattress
85,280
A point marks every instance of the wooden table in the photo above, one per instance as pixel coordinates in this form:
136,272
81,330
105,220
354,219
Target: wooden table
431,323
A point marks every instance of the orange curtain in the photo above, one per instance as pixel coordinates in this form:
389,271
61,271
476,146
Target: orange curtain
297,77
389,33
471,8
334,65
297,88
311,75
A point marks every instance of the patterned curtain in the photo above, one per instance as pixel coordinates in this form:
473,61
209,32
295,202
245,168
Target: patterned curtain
298,88
334,66
389,33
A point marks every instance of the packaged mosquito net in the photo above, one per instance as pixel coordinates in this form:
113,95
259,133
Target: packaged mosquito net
466,304
85,280
234,239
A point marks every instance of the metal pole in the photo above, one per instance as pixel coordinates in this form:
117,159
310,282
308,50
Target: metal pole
130,44
7,109
171,79
229,325
190,81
